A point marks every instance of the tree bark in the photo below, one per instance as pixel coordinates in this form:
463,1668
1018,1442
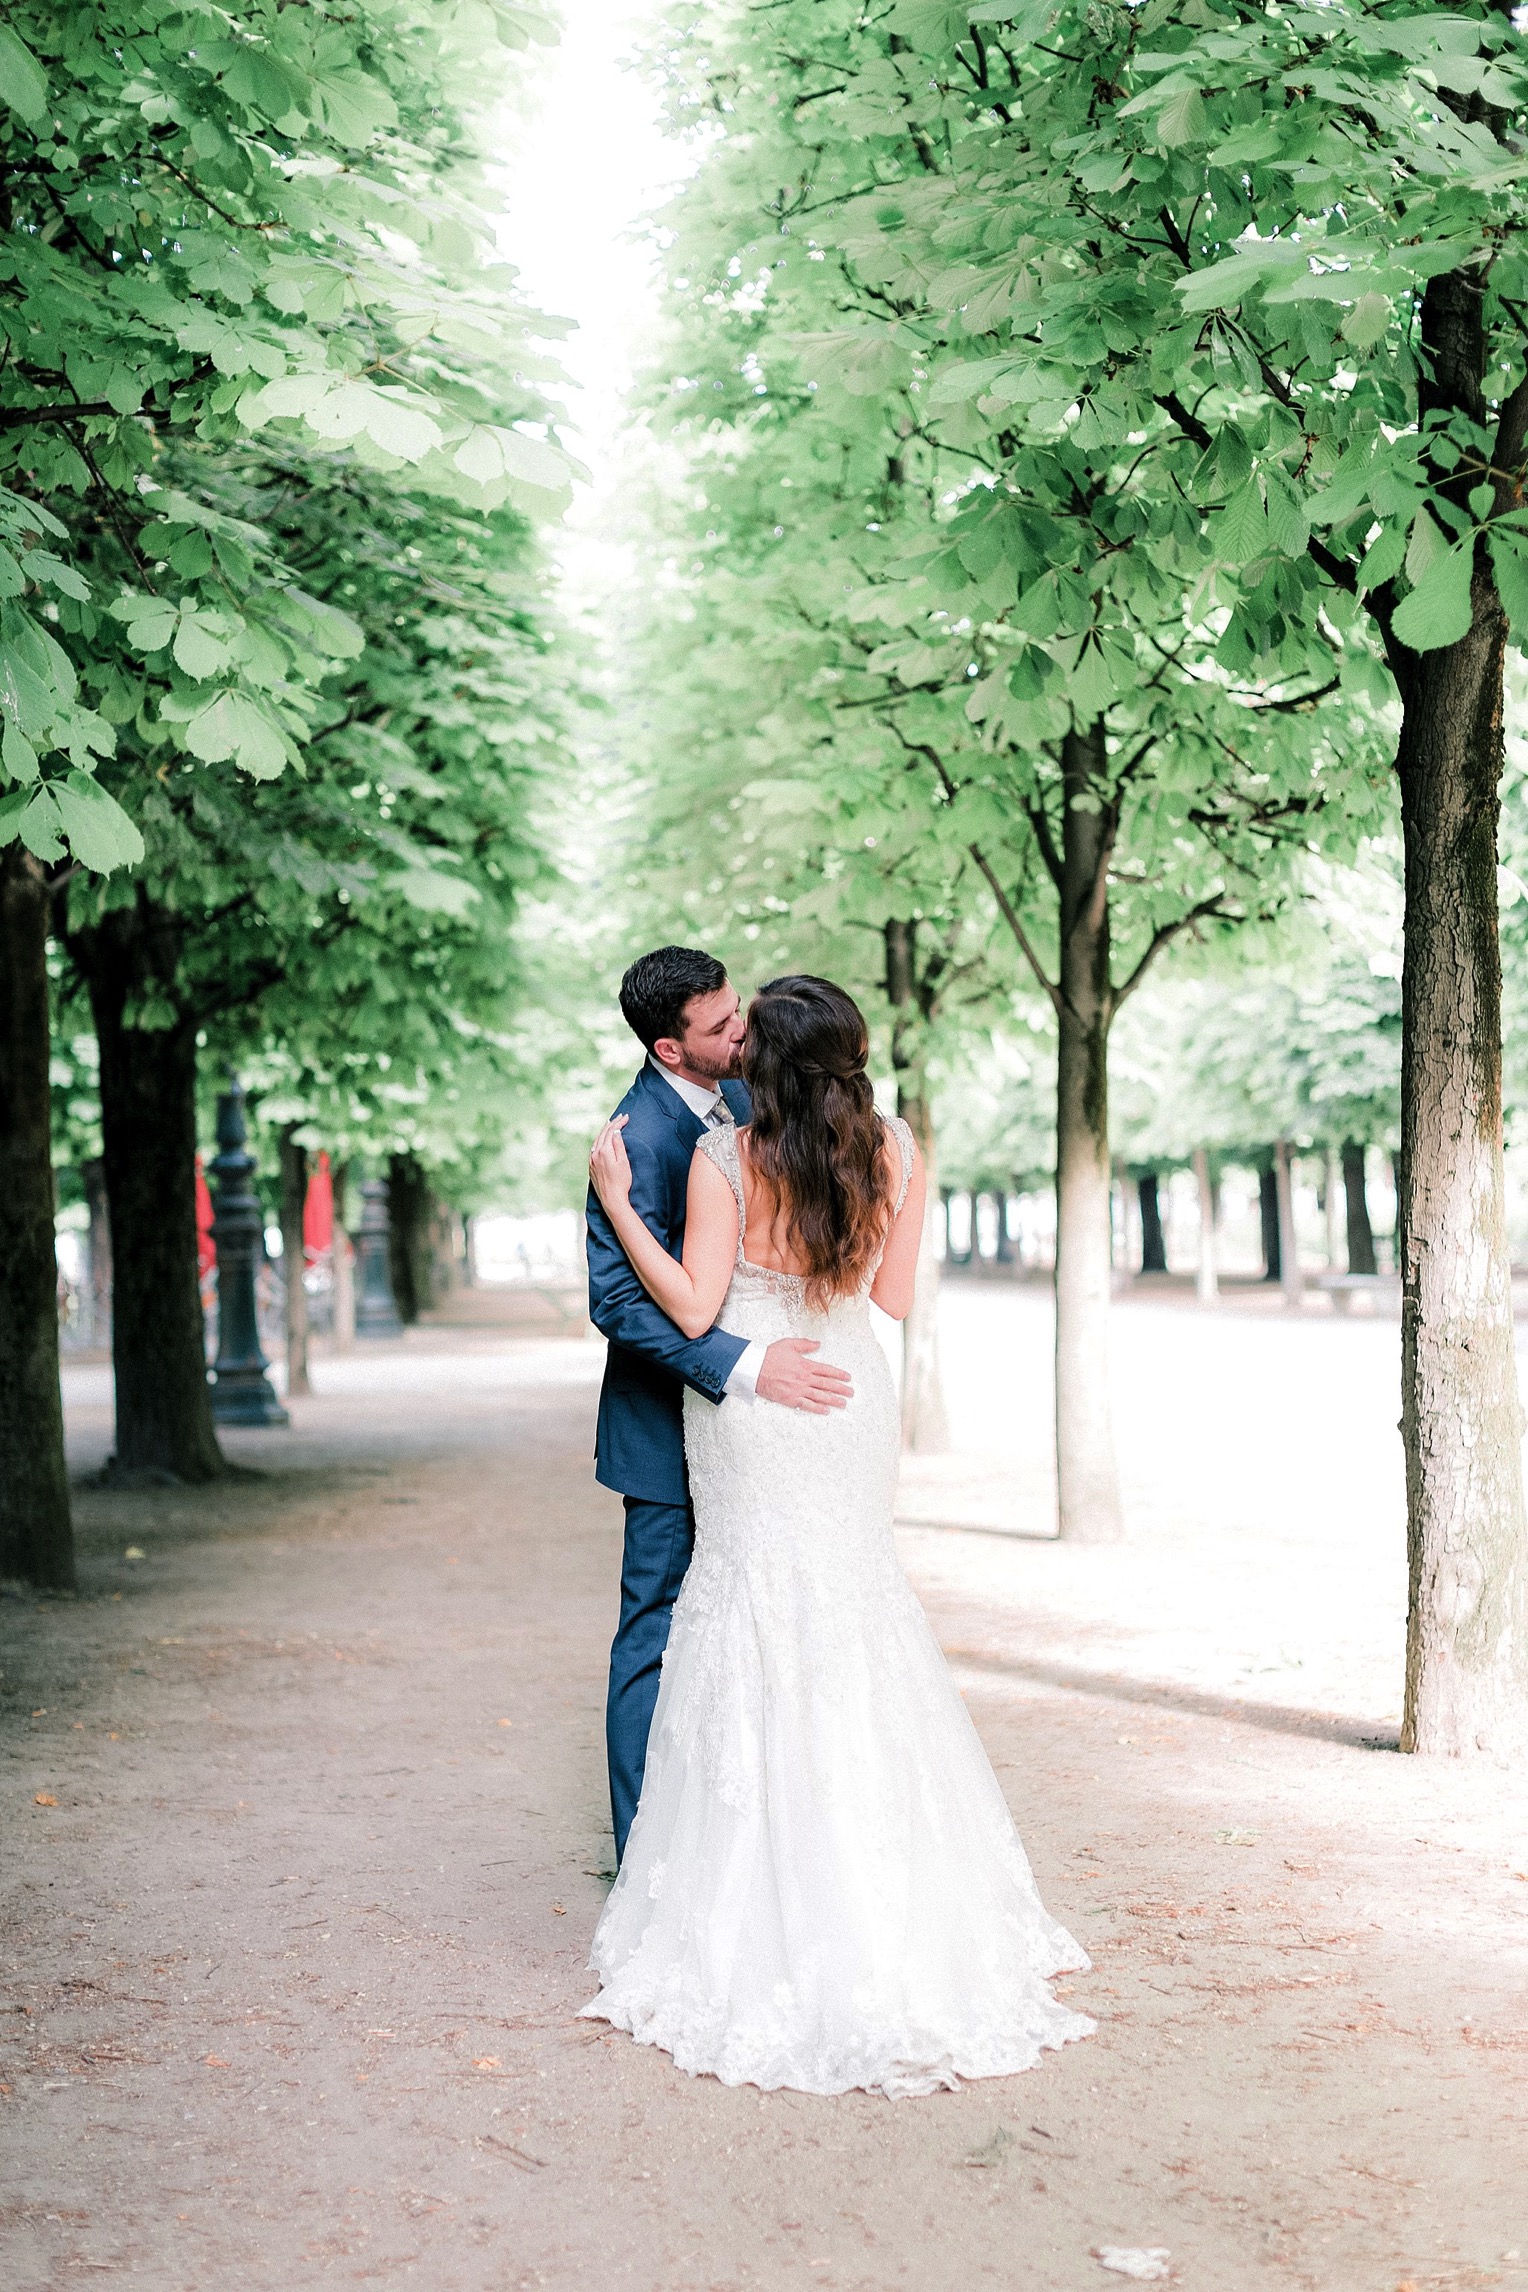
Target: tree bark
1208,1283
1361,1257
1153,1240
1087,1475
408,1211
1329,1208
294,1261
36,1531
1268,1217
98,1244
925,1426
1461,1417
1289,1248
344,1265
148,1132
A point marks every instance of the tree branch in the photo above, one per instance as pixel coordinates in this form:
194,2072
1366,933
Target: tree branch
1041,829
1164,935
1015,924
13,417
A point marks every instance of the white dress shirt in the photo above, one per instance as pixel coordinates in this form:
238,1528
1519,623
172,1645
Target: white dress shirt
706,1102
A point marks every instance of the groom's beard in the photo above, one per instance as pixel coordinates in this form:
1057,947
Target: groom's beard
716,1069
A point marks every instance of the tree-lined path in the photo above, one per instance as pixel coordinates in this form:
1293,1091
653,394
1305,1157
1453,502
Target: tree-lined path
295,1924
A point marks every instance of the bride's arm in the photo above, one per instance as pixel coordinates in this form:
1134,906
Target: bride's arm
892,1289
690,1294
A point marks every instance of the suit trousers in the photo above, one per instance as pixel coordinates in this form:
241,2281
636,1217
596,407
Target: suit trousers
659,1541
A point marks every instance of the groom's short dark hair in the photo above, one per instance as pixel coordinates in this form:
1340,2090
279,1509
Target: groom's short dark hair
655,990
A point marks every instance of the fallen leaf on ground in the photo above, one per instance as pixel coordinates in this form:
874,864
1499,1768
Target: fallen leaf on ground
558,1910
135,1552
216,2061
488,2061
1146,2264
506,1722
993,2150
44,1799
1236,1838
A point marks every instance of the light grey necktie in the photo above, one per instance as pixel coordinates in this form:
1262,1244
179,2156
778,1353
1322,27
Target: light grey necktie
721,1116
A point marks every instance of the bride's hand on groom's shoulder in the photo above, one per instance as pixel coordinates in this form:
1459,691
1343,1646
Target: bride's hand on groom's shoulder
609,1166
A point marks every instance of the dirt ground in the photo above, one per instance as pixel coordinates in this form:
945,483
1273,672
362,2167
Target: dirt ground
306,1836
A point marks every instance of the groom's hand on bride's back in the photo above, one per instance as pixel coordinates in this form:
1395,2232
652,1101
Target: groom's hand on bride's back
793,1380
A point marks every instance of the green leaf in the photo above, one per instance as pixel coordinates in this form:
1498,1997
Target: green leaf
1439,610
151,622
43,566
1182,119
1511,582
100,833
1427,545
1368,321
352,107
1240,532
23,84
197,650
17,754
233,727
41,828
11,809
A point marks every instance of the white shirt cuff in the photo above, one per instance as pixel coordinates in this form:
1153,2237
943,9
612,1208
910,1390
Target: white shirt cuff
745,1373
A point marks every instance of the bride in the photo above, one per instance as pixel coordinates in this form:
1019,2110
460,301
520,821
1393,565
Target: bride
823,1887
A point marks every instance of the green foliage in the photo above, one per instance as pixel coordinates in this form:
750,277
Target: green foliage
224,233
916,547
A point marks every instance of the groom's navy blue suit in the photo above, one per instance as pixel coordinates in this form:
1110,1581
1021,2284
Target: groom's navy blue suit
639,1449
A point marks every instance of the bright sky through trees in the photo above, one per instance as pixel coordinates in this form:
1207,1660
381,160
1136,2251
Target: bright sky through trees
585,167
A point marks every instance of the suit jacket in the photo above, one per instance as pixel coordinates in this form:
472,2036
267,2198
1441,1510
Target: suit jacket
639,1448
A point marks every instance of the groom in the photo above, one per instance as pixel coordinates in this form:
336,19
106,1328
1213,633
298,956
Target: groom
678,1004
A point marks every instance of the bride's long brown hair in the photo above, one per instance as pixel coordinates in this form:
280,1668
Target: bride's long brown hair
814,1138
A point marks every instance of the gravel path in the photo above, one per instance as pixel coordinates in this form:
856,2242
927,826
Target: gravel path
306,1836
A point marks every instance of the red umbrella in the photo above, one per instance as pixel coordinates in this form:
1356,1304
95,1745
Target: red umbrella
206,1254
318,1212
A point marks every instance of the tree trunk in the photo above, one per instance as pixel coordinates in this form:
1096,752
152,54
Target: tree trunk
1461,1417
1208,1284
1086,1473
344,1265
36,1533
1268,1216
148,1132
1361,1257
1153,1240
408,1212
1004,1251
444,1259
294,1261
98,1244
925,1427
1329,1208
1289,1248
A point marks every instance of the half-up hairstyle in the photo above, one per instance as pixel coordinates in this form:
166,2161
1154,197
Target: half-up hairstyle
814,1138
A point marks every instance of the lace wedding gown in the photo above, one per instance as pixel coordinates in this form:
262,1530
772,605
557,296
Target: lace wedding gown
823,1887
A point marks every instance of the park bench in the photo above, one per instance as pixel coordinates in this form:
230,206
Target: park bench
1383,1288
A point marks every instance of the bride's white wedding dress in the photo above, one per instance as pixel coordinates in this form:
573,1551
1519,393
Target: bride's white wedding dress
823,1887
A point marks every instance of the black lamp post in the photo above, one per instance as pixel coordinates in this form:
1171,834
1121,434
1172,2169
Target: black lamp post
376,1309
242,1393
